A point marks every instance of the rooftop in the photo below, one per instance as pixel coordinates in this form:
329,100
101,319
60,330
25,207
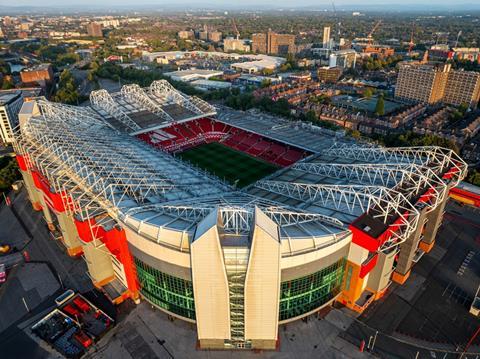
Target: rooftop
114,176
9,96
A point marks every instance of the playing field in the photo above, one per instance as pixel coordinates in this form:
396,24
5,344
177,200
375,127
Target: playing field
228,163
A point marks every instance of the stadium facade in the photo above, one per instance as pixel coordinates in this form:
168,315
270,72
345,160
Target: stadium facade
338,221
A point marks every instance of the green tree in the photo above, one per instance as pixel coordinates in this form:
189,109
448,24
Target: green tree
368,93
7,84
67,90
474,177
8,173
380,106
311,116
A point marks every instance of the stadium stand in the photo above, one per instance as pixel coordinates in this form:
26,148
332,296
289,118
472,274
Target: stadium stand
179,137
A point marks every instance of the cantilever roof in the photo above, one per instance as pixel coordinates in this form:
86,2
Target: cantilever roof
135,110
106,171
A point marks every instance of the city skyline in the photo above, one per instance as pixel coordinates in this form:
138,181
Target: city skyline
346,5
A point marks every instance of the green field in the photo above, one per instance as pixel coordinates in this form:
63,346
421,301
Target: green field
228,163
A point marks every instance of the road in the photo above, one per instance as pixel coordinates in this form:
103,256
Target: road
429,314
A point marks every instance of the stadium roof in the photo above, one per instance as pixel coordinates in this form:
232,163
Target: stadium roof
136,110
102,172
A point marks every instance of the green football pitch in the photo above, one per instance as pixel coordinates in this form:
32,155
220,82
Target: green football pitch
228,164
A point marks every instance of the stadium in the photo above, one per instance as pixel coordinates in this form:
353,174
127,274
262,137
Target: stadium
237,222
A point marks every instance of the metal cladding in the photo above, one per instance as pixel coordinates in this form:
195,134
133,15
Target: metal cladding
327,228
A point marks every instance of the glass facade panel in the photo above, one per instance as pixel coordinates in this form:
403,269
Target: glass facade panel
166,291
302,295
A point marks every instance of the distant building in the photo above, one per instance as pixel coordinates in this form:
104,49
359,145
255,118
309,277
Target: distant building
259,43
10,103
41,74
192,75
94,29
207,85
215,36
273,43
329,74
433,83
463,87
184,35
203,35
379,50
231,44
326,37
344,59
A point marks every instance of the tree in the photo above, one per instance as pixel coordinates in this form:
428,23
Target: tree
368,93
8,174
7,83
380,106
311,116
67,90
474,177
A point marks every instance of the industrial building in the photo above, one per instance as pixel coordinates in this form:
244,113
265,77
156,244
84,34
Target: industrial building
338,221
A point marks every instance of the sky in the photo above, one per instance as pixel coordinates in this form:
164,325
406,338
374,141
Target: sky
380,4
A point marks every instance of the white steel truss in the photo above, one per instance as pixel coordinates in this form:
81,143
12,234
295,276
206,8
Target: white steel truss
165,93
134,93
237,219
410,179
437,158
95,168
103,100
381,203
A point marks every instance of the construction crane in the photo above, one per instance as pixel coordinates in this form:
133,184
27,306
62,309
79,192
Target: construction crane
235,30
370,35
411,44
339,24
458,37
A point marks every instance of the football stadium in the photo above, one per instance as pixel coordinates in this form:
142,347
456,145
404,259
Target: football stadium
238,222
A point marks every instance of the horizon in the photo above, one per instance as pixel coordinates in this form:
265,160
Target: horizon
236,5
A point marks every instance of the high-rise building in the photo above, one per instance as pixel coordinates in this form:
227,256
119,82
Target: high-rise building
259,43
433,83
10,104
463,87
94,29
184,35
215,36
326,37
203,35
344,59
280,43
273,43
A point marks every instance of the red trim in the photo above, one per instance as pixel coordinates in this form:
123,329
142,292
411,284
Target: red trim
470,196
116,242
22,164
53,200
367,267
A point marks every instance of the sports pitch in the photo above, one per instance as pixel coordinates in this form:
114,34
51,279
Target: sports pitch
227,163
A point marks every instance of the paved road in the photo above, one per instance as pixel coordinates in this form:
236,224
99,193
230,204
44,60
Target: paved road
429,315
72,271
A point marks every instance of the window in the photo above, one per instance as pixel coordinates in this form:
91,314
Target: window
302,295
166,291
